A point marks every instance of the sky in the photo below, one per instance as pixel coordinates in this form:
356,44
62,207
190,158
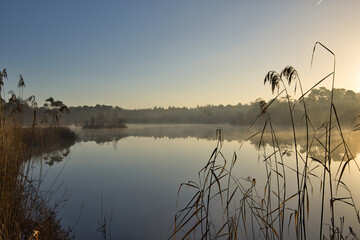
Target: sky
140,53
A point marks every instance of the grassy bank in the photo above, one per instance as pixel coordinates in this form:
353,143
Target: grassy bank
25,212
48,139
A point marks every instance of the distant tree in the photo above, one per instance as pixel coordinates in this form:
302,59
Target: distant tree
54,108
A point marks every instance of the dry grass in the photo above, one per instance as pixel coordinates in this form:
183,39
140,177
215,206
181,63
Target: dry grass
24,212
225,206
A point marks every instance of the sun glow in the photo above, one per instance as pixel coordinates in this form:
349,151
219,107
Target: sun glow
356,80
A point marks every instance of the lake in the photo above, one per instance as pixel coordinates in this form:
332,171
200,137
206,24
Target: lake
127,180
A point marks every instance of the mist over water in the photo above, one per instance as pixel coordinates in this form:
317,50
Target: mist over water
131,177
120,113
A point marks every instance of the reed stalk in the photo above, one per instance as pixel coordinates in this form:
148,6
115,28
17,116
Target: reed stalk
269,212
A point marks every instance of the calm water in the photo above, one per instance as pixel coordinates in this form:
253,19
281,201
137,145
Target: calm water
130,177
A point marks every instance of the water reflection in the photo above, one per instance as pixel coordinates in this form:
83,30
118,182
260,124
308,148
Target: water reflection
284,136
199,131
134,174
56,156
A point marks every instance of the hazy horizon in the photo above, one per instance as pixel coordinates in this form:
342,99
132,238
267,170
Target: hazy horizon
144,54
180,157
179,106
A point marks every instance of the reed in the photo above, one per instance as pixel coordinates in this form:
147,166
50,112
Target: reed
25,213
226,206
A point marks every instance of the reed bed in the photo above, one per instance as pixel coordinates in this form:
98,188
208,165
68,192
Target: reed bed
223,205
25,213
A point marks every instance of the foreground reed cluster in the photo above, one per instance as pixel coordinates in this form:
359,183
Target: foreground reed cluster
25,212
226,206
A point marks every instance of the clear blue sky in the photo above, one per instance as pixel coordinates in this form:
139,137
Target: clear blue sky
138,54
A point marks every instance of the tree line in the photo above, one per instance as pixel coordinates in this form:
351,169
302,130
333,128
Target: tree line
55,112
347,103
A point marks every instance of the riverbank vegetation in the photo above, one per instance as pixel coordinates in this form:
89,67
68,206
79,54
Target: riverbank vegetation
223,205
25,211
